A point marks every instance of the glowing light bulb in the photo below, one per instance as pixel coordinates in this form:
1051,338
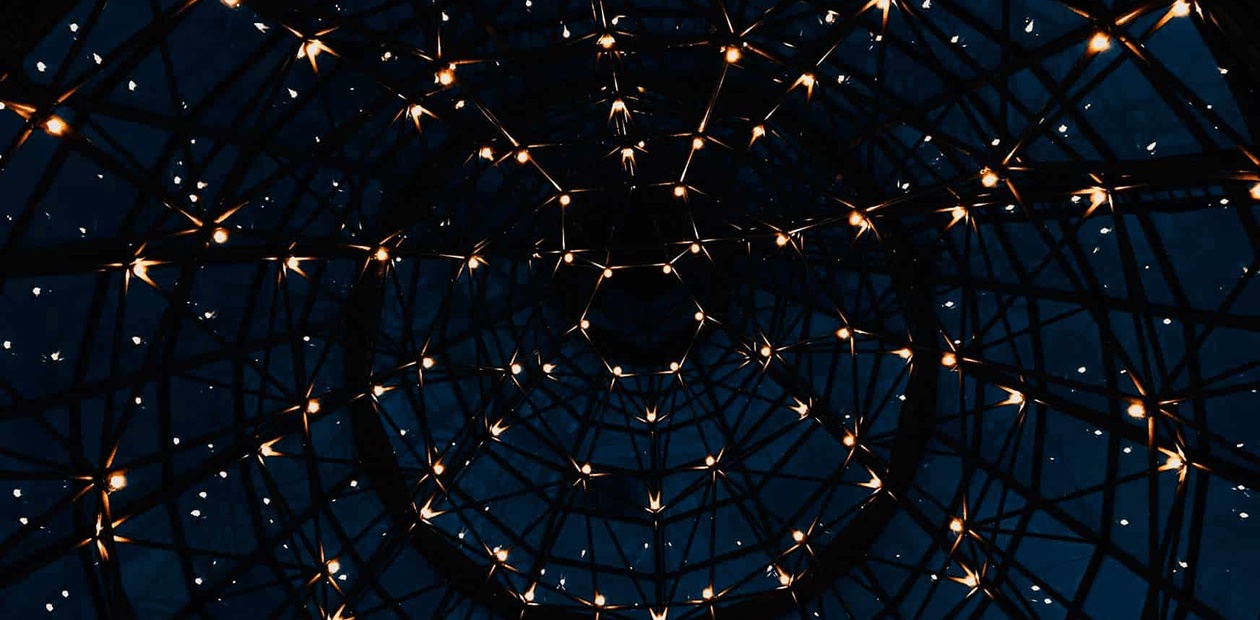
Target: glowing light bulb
617,371
516,368
140,269
1180,8
843,333
381,254
231,4
695,248
446,76
849,440
680,191
903,353
292,262
312,406
807,80
666,269
1255,191
784,578
378,390
857,219
501,555
949,360
522,156
1136,410
798,536
710,460
956,525
585,324
674,366
333,566
55,127
486,152
565,200
1174,462
606,41
699,316
529,594
439,468
707,593
989,178
220,235
1100,42
608,272
758,131
117,481
586,469
427,362
474,262
781,239
547,368
650,415
600,600
697,143
568,258
765,350
732,54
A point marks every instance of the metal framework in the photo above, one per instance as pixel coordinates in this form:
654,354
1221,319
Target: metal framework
631,309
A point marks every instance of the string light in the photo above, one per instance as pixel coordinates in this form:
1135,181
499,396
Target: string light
606,41
427,362
697,143
333,566
1136,410
312,406
680,191
843,333
798,536
220,235
231,4
989,178
949,360
732,54
781,239
956,525
1180,8
522,156
55,127
446,76
568,258
565,200
486,152
381,255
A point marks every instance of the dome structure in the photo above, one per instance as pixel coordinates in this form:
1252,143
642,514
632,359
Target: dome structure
629,309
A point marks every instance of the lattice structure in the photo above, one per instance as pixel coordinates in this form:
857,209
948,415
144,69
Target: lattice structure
629,309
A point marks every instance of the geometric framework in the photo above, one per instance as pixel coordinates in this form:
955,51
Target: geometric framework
629,310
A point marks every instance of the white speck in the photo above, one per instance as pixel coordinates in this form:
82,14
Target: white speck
49,607
197,581
131,86
1243,515
1124,521
65,594
1030,26
74,27
36,291
195,513
97,58
17,492
1081,370
1036,588
292,94
42,68
136,340
1151,146
261,26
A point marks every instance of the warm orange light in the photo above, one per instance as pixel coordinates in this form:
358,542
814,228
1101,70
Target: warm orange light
427,362
781,239
949,360
697,143
956,525
486,152
732,54
474,262
1100,42
1136,410
516,368
333,566
1180,8
381,254
843,333
798,536
849,441
438,468
606,41
695,248
585,324
501,555
117,481
666,269
989,178
600,600
446,76
707,593
1255,191
231,4
312,406
55,126
522,156
857,219
568,258
565,200
766,350
608,272
680,191
710,460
